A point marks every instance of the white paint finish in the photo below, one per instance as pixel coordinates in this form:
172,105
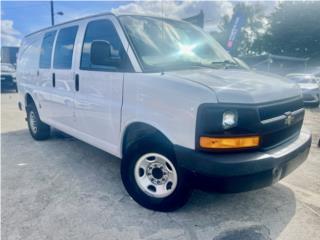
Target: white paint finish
44,96
61,100
99,99
241,86
61,97
98,107
27,66
108,102
167,103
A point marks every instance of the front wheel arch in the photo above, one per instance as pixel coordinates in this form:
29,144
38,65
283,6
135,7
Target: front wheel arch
29,100
139,130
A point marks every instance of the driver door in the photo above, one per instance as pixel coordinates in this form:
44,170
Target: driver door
99,85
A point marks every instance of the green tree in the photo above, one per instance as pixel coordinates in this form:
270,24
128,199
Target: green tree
294,30
253,26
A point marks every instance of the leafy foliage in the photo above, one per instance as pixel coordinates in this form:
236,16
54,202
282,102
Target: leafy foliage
293,29
253,18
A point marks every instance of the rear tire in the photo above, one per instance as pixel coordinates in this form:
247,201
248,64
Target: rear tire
38,129
163,186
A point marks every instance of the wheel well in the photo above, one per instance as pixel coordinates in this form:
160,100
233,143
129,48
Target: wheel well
29,100
137,131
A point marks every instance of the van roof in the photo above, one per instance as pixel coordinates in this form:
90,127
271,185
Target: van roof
97,15
71,21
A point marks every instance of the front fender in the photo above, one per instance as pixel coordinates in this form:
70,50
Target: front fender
170,105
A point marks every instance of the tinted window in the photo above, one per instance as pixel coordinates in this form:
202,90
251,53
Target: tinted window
46,49
64,48
103,30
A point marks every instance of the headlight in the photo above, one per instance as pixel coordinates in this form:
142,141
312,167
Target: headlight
229,119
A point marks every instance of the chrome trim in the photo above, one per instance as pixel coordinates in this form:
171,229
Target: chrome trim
282,117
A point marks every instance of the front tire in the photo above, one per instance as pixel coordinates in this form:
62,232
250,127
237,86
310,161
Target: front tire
152,178
38,129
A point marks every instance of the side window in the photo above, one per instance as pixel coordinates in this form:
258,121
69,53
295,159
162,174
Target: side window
29,53
102,48
46,49
64,48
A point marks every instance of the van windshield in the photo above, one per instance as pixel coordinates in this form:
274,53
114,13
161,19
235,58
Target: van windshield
165,44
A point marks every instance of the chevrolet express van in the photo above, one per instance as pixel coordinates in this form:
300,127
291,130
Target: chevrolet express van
167,99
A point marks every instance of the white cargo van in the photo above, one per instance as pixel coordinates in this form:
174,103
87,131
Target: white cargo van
167,99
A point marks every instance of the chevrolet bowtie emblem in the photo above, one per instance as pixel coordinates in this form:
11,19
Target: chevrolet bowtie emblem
289,118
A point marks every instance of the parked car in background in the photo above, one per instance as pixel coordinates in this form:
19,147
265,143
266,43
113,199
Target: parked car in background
8,67
8,76
316,73
167,99
309,85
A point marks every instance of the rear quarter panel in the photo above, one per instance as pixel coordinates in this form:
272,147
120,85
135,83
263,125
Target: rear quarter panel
27,67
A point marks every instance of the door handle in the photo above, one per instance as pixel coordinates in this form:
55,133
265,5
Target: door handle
53,80
76,82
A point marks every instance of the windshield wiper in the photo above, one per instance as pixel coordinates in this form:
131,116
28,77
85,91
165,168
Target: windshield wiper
183,64
226,64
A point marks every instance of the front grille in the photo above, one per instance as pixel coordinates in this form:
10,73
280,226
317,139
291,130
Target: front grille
279,136
276,131
276,109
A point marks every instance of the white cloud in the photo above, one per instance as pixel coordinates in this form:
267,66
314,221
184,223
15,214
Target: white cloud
9,35
213,10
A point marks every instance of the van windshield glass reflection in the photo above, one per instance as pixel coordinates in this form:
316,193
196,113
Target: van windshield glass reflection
166,44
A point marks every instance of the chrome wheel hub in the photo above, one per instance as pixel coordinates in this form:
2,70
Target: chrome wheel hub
155,175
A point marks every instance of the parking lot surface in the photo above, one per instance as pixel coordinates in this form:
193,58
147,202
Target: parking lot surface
63,188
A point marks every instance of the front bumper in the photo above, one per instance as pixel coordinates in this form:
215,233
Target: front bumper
236,172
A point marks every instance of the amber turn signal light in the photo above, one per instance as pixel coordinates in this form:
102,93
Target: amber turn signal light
229,142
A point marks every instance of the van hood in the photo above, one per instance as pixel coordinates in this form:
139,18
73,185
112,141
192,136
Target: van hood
241,86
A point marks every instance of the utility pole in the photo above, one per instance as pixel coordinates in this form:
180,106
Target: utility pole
52,13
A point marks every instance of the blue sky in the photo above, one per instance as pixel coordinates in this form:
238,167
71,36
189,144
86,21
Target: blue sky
29,16
19,18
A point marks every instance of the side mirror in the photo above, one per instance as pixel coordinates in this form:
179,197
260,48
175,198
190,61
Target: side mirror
101,54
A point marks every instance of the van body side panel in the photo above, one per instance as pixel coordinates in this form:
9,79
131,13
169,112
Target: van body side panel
170,105
92,114
97,107
27,67
45,72
98,101
61,102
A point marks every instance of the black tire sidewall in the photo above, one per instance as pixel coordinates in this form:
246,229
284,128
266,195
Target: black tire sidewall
31,109
149,145
43,130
